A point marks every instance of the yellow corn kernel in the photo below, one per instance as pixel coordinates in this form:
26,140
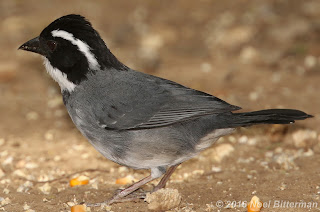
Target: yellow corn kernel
254,205
81,180
78,208
125,180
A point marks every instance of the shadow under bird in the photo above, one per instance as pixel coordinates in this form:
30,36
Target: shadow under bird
132,118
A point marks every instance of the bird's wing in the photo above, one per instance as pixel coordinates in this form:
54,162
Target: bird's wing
142,101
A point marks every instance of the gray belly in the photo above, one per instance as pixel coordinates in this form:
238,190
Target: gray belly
150,148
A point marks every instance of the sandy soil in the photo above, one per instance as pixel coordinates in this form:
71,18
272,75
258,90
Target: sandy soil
255,54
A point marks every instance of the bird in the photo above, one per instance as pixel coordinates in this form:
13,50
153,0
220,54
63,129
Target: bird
132,118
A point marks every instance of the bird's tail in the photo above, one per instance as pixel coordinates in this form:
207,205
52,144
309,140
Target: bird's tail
271,116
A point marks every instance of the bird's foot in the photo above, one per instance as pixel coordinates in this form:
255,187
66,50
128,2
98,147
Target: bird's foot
133,197
138,191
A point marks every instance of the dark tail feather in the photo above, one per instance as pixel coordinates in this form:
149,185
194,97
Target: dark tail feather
271,116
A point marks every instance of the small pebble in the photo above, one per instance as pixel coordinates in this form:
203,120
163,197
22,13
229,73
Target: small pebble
107,208
308,153
79,147
94,184
85,155
43,178
20,164
123,169
19,173
249,55
252,141
71,204
232,139
243,139
31,116
222,151
55,102
282,186
216,169
31,165
6,191
26,206
198,172
4,201
46,188
25,187
206,67
310,61
254,95
57,158
5,181
48,136
4,153
186,175
304,138
7,161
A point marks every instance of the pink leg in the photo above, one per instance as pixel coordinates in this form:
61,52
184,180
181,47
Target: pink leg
165,178
125,192
131,189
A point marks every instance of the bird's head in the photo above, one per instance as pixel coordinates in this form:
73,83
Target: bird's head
72,49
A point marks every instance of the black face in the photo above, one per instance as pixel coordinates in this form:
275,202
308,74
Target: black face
67,52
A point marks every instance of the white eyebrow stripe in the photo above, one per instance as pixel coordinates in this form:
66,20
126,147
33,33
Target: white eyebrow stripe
82,46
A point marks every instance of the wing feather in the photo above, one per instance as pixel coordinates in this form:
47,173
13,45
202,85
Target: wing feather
138,101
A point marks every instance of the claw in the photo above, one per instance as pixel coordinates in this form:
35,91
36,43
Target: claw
129,198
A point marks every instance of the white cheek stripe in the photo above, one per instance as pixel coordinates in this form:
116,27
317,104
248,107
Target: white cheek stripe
59,76
82,46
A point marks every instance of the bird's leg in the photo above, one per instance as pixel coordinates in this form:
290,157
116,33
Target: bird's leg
142,195
155,173
119,197
165,178
131,189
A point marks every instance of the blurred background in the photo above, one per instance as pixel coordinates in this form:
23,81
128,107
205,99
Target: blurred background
254,54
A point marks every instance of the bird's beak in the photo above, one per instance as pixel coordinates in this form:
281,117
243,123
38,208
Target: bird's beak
32,45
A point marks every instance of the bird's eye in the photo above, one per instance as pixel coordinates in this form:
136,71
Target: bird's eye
52,45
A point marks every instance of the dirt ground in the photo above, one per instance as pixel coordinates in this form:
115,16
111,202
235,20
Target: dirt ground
254,54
